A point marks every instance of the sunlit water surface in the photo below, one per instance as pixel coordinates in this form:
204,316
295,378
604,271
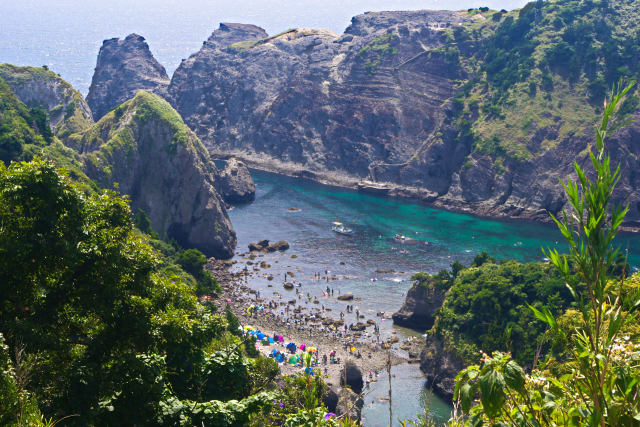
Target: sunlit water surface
375,221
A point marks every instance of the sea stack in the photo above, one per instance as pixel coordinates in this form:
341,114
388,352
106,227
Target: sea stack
123,68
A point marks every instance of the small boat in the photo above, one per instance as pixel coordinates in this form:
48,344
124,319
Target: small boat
340,228
402,238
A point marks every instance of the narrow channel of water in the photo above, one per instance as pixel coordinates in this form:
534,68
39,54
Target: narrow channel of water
359,258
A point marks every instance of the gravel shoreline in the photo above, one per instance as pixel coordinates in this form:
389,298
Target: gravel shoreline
373,356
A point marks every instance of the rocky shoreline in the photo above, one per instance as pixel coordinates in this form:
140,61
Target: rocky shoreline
366,353
340,179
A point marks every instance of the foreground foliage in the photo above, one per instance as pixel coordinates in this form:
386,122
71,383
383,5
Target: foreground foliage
598,383
97,325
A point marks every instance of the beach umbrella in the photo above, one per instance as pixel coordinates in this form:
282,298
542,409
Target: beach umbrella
303,346
280,357
291,347
271,341
274,352
294,359
280,338
260,335
312,350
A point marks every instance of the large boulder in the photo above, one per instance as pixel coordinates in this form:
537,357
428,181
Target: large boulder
123,68
420,306
144,146
346,297
330,399
235,184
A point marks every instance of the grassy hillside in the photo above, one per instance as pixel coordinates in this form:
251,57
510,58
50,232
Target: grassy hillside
41,88
548,65
23,131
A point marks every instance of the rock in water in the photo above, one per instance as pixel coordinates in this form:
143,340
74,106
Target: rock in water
235,184
346,297
144,146
123,68
440,367
419,308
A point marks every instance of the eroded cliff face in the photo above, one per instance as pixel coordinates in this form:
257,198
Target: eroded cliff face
319,100
144,147
37,87
374,108
123,68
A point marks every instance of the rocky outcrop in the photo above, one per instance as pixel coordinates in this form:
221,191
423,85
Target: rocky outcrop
319,100
346,297
349,404
146,149
419,308
440,367
38,87
352,376
265,246
234,183
374,109
123,68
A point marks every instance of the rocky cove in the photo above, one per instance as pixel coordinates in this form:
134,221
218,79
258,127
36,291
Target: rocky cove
374,267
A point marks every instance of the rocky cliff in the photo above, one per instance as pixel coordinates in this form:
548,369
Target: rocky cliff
469,110
419,308
144,147
440,367
123,68
234,183
38,87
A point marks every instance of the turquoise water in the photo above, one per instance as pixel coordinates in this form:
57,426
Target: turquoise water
355,259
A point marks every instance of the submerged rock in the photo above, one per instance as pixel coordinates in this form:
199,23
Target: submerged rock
346,297
123,68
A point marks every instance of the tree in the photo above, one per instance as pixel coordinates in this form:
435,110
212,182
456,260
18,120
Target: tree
601,376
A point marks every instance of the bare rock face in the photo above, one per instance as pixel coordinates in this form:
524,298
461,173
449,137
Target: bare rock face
419,308
318,100
146,149
440,367
372,108
235,184
123,68
38,87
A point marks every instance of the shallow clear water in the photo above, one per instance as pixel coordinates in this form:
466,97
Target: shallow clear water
355,259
